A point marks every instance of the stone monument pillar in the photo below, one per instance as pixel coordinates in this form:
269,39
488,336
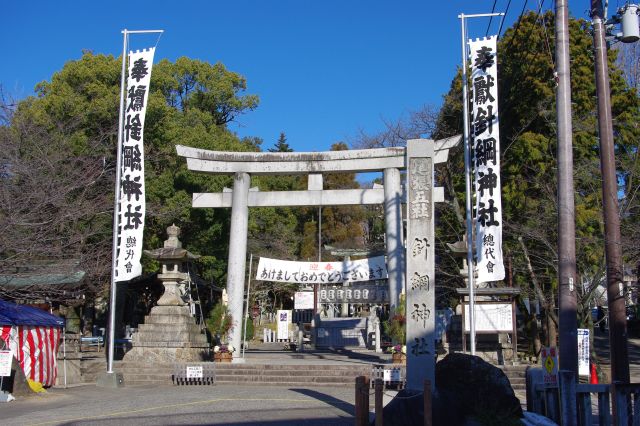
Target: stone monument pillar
169,332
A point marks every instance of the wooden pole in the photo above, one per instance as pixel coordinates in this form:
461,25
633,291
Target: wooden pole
379,387
362,401
428,408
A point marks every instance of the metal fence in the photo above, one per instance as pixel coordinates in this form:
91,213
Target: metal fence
194,373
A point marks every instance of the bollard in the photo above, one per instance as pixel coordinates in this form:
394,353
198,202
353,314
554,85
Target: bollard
379,405
378,346
362,401
300,338
428,408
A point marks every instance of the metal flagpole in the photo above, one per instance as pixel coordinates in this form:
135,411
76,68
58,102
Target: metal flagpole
116,204
246,315
64,354
467,176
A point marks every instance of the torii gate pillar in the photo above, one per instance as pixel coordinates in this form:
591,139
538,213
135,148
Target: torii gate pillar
394,239
238,253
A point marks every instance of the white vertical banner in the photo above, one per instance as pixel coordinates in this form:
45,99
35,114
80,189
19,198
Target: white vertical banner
132,198
486,148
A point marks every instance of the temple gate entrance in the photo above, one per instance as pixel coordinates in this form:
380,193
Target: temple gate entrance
418,159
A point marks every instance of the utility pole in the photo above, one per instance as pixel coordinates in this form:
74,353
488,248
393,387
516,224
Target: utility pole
613,251
567,333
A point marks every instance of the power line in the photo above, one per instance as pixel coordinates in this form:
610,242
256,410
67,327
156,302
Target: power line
539,18
524,6
493,9
543,22
505,15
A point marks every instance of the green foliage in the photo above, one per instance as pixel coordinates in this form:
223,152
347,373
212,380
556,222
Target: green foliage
190,83
342,226
249,329
526,89
309,246
396,326
281,145
219,322
190,102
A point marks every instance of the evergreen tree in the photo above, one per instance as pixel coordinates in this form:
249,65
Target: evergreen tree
281,145
74,116
528,148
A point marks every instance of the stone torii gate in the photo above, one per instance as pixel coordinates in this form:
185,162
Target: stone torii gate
388,160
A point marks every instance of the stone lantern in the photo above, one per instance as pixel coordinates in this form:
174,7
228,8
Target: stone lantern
169,332
171,258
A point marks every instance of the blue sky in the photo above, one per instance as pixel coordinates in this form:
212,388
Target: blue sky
323,70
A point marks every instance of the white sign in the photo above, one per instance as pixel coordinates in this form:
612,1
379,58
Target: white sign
391,375
5,363
284,319
583,352
373,268
303,300
490,317
549,357
194,372
131,205
486,148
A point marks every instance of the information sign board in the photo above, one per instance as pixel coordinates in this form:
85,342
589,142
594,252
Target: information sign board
194,372
490,317
5,363
303,300
391,375
583,352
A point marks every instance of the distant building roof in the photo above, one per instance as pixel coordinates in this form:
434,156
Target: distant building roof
46,279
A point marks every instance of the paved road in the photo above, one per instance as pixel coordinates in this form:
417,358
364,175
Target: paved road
218,405
601,343
193,405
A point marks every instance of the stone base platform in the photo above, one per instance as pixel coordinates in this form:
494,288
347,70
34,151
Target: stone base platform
169,334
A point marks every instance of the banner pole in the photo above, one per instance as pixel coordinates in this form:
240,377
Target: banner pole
467,178
246,315
116,204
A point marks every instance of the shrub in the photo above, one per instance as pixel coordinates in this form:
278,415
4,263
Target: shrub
219,322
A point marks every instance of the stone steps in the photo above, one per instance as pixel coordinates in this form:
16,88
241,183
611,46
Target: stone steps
90,369
516,375
139,373
250,374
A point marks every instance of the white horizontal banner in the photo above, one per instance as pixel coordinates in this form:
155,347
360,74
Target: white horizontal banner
373,268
